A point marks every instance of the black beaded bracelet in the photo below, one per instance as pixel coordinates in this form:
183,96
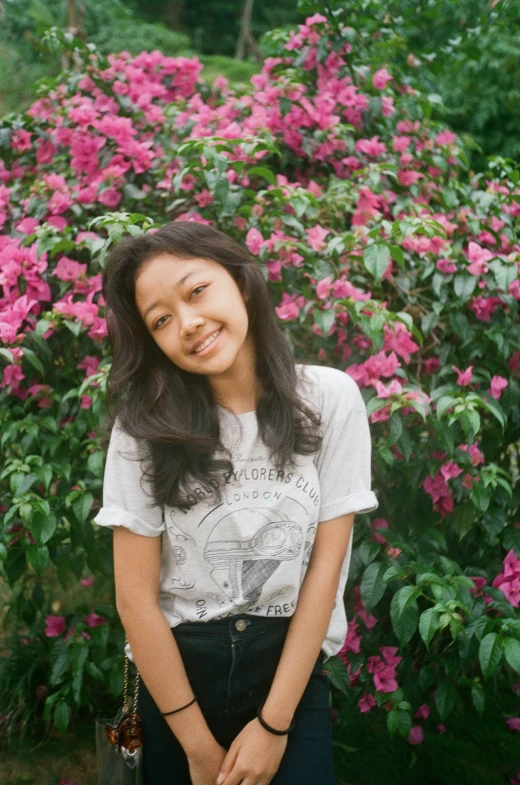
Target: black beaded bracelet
166,713
264,724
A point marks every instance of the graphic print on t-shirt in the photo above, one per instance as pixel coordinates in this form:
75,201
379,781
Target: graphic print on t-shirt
243,546
241,567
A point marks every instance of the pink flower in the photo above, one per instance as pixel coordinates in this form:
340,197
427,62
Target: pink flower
41,692
431,365
55,625
449,470
478,257
87,581
254,241
316,236
416,735
423,712
289,308
384,674
513,723
366,702
464,377
498,384
372,147
509,580
379,523
93,620
438,489
408,178
441,728
380,78
352,641
446,266
477,457
445,137
323,287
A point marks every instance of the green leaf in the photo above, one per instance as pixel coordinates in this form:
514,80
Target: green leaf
82,506
444,403
368,551
400,721
375,259
478,696
462,519
43,527
263,171
35,362
372,585
405,596
95,463
59,660
445,698
337,673
480,496
464,285
38,557
61,716
490,653
393,573
404,624
512,653
324,320
428,624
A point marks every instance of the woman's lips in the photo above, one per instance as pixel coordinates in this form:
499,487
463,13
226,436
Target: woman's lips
209,348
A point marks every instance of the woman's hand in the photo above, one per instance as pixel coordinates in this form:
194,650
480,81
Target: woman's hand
206,765
253,758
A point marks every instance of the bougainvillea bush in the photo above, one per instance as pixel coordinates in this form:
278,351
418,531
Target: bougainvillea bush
384,258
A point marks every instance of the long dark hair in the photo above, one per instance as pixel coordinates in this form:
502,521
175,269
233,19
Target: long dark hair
172,411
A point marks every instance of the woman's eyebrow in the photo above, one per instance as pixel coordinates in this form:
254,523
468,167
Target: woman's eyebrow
175,286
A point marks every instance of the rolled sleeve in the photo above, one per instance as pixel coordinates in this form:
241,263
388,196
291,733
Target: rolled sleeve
344,463
127,494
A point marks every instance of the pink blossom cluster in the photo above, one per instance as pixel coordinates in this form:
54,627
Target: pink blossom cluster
56,625
436,485
509,579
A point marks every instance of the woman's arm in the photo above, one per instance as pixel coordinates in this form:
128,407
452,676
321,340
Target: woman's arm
137,561
310,620
256,753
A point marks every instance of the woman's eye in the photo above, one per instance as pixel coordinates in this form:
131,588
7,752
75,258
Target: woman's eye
158,322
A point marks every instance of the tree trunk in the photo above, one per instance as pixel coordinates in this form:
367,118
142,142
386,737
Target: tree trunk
246,40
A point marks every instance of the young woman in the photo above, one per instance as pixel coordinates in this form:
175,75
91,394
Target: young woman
232,478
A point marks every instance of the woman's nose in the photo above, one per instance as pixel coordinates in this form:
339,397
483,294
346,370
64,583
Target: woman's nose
190,323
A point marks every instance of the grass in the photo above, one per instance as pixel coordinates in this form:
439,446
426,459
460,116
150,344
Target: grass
69,758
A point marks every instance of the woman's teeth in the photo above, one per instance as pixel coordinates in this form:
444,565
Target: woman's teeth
208,341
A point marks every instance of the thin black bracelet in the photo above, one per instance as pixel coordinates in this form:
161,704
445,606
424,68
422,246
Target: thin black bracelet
264,724
166,713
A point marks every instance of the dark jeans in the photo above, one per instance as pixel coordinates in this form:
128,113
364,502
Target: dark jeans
231,670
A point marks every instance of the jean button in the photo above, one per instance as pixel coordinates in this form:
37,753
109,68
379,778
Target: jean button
240,625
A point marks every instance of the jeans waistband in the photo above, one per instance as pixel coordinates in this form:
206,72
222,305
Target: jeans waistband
242,622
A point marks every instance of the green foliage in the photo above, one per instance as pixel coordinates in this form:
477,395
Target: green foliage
351,238
464,55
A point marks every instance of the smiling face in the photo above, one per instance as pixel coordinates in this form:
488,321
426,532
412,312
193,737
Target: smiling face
185,301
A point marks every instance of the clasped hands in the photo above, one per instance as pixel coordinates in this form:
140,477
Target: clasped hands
252,759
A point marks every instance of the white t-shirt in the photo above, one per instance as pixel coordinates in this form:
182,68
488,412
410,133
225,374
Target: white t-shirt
250,553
